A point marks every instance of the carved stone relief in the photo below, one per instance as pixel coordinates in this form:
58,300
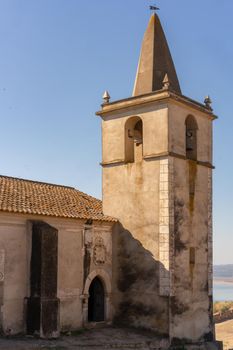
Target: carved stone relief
88,234
88,238
99,251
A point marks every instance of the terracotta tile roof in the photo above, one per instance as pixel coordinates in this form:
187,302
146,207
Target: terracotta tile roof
32,197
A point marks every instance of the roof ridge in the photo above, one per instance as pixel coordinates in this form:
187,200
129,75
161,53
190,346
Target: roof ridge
37,182
87,195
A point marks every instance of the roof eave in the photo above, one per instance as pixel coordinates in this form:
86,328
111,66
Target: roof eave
104,219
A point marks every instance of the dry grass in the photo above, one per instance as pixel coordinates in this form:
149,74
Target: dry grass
222,306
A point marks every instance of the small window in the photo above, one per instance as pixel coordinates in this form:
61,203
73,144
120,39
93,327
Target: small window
191,138
192,256
133,140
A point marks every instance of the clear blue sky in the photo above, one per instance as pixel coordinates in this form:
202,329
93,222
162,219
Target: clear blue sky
57,58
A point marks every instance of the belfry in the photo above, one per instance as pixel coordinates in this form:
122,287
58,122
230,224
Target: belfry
157,181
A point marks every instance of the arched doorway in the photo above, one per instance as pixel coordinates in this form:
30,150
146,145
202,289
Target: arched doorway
96,309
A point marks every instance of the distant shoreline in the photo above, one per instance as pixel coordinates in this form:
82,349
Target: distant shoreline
223,280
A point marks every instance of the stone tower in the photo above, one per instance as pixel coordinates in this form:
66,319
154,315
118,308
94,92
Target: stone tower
157,180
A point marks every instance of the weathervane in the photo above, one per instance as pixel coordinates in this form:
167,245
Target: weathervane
154,8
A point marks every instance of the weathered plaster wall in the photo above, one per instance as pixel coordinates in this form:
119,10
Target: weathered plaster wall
130,193
191,306
70,274
15,241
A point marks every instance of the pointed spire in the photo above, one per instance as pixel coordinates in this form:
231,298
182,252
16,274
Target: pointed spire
155,61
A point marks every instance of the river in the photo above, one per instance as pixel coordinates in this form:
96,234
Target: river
223,291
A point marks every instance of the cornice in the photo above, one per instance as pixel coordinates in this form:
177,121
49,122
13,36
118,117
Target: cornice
157,96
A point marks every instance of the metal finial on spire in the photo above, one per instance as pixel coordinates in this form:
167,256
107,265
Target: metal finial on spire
208,102
106,97
154,8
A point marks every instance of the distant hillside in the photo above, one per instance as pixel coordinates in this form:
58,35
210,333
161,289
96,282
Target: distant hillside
223,271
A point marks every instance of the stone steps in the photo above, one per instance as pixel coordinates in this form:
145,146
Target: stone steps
124,346
74,345
114,346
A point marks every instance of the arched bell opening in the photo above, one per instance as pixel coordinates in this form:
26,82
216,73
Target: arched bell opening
96,301
133,140
191,137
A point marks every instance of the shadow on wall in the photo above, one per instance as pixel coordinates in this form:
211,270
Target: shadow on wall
136,284
137,297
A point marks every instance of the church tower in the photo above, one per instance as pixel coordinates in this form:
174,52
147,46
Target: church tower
157,181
